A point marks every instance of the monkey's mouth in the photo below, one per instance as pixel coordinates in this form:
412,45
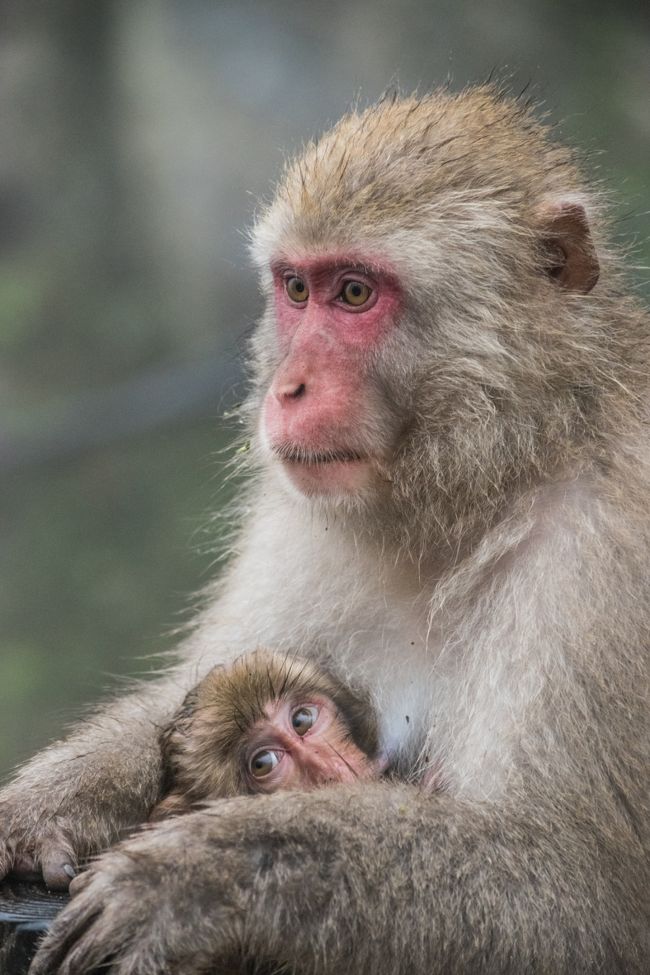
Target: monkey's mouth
333,472
293,454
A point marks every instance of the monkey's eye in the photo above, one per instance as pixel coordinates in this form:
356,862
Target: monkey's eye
303,719
356,293
263,762
297,289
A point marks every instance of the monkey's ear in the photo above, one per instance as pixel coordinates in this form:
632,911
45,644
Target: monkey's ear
175,804
171,737
569,252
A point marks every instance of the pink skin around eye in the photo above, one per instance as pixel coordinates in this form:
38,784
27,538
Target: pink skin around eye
325,278
325,754
319,394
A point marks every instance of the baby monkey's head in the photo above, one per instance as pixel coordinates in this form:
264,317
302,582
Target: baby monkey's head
268,721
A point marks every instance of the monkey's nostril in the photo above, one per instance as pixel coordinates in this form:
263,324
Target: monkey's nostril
297,392
288,390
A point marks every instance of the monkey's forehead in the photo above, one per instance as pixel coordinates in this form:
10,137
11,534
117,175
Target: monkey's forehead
466,159
259,676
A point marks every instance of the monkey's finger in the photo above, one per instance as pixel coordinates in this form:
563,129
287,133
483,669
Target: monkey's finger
86,939
24,863
25,867
80,882
88,954
58,864
61,944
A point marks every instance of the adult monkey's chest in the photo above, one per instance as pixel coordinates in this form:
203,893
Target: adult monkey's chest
395,658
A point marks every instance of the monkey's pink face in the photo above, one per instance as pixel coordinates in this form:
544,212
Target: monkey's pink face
302,746
332,315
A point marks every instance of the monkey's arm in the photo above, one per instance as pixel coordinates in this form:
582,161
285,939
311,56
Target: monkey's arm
75,797
373,878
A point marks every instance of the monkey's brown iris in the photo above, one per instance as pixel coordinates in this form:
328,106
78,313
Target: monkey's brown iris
303,719
297,289
355,293
263,763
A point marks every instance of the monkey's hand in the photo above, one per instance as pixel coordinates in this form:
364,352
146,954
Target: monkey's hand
78,796
35,841
283,879
374,877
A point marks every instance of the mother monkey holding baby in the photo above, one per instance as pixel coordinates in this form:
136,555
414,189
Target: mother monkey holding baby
451,506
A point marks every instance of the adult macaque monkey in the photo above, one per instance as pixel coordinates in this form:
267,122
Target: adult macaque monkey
449,415
269,721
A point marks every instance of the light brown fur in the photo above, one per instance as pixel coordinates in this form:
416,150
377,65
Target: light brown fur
489,587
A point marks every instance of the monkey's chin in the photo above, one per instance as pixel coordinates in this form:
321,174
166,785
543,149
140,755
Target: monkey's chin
331,479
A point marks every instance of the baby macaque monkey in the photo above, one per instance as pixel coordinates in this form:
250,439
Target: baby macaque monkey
267,722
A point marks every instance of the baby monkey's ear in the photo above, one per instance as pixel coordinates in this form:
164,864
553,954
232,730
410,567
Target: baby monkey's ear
175,804
172,739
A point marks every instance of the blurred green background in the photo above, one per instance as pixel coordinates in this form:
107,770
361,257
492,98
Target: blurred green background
135,138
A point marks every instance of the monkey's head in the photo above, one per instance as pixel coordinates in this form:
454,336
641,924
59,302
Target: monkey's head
432,335
267,722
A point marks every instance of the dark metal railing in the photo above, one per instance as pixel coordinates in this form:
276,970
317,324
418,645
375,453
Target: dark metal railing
26,912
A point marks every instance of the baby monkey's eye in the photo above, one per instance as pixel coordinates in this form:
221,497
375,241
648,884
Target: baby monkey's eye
303,719
297,289
263,762
355,293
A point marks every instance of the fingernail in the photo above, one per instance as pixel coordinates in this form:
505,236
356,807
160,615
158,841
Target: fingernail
69,870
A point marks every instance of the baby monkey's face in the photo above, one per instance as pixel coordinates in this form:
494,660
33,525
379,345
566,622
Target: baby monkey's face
301,744
266,722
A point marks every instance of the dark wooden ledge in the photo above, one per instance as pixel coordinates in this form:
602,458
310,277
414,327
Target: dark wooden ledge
26,912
